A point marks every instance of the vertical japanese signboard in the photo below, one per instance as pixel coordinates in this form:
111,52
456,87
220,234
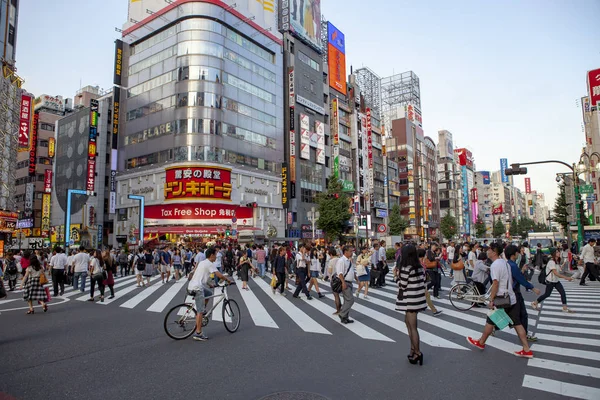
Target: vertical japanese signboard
336,56
25,122
527,185
112,204
33,147
335,134
51,147
304,137
370,150
46,202
92,139
320,129
503,167
284,186
292,134
593,80
118,61
48,181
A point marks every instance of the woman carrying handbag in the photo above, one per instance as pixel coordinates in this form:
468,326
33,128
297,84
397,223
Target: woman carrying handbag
33,289
458,266
111,270
98,274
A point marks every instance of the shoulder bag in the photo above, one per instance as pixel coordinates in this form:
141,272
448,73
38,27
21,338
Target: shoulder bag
43,279
459,266
336,283
504,300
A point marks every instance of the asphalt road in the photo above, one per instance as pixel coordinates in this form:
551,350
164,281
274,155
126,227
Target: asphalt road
85,350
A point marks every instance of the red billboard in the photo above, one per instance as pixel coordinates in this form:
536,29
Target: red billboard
474,198
25,122
369,138
197,182
527,185
48,181
593,81
33,147
465,157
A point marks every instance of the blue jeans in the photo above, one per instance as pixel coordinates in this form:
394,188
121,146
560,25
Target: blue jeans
220,269
76,277
261,268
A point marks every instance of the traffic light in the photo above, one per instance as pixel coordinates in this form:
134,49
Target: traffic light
334,196
515,169
252,205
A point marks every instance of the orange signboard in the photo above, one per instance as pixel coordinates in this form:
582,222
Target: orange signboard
337,69
197,182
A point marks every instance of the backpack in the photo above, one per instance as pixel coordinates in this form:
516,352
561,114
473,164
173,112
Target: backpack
11,268
543,275
141,262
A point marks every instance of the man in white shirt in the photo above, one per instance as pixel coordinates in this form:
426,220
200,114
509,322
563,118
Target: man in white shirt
58,262
200,256
81,261
501,286
472,259
589,260
345,271
200,285
383,262
302,273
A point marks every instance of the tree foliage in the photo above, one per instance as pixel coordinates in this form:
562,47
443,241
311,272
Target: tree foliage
560,208
334,211
398,224
449,226
499,228
514,228
480,228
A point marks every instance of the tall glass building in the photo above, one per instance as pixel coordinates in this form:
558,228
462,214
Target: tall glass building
201,90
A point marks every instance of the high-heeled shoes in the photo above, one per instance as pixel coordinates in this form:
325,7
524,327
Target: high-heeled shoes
417,359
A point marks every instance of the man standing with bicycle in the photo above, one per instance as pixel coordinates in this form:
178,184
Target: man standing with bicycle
200,288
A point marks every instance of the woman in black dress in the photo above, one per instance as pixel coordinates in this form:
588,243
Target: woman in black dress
245,265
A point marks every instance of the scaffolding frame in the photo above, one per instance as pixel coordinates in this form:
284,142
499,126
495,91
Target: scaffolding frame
10,103
369,84
396,92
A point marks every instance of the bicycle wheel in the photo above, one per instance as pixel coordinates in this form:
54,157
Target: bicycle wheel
231,315
180,321
462,296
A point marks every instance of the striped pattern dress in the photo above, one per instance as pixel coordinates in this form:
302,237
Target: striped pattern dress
411,289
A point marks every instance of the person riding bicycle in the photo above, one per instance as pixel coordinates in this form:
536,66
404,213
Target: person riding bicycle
200,287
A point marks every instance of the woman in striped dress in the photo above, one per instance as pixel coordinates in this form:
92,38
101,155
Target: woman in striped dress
411,297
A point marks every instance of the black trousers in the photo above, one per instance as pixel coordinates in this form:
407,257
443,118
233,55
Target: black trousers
58,278
280,281
435,282
549,287
590,269
100,281
301,273
124,269
523,312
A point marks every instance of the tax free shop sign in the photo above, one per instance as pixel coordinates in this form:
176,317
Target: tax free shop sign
197,214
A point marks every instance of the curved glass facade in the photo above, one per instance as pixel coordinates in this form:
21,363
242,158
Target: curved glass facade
212,87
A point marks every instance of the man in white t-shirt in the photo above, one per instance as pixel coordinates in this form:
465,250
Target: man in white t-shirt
58,262
472,259
200,286
501,286
345,271
81,261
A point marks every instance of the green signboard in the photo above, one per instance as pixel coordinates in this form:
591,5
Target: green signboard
347,186
586,189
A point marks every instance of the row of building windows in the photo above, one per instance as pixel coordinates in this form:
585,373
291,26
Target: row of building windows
309,61
21,197
151,108
201,153
46,127
153,59
201,126
29,179
152,83
247,87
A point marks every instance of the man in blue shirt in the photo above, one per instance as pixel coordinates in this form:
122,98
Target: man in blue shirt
511,252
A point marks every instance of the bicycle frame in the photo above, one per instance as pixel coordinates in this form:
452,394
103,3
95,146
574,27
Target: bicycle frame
222,296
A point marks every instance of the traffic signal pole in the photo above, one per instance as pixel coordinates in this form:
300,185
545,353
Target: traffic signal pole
517,170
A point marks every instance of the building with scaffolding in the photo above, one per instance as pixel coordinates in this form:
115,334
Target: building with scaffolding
415,154
10,104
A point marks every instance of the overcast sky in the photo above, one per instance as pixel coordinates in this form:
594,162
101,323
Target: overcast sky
504,77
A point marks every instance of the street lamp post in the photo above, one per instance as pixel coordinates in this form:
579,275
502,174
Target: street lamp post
313,216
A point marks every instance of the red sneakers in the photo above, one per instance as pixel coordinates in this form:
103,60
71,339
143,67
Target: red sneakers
524,354
475,343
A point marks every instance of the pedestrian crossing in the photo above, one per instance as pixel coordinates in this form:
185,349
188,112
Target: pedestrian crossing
567,355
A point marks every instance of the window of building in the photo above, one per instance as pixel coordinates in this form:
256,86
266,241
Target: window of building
151,108
311,175
199,99
244,62
152,83
159,37
309,61
44,161
152,60
308,195
247,87
42,143
46,127
199,73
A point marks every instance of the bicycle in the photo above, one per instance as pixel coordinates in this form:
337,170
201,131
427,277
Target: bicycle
464,296
180,321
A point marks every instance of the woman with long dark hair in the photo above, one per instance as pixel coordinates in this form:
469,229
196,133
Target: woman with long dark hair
97,273
314,271
111,271
411,298
552,282
33,289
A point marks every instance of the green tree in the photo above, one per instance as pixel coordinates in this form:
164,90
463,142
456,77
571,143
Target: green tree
480,228
560,208
334,210
448,226
499,228
514,228
397,223
525,225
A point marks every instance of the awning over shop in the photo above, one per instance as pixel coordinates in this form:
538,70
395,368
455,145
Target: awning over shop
189,230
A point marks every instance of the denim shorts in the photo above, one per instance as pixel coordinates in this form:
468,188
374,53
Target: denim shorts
314,274
199,298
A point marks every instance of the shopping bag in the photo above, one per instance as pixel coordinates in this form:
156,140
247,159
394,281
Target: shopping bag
47,290
273,281
500,318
